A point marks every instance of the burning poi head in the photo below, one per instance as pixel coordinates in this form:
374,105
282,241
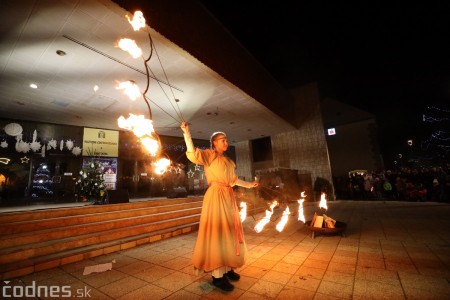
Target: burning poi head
138,20
161,165
143,129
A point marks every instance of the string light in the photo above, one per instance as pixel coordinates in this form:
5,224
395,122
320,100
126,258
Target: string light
437,145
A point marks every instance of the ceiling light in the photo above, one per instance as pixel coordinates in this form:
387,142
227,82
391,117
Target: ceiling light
60,52
33,86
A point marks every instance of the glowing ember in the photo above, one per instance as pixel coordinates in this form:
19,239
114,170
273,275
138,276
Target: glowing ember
138,20
161,165
142,128
259,227
131,47
301,216
323,202
243,211
130,89
284,219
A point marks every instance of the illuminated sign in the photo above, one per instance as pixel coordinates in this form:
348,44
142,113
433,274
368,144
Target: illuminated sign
100,142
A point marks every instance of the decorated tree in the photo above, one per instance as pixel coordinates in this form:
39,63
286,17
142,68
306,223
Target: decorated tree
90,183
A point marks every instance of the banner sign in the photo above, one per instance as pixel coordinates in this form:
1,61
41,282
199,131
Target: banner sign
100,142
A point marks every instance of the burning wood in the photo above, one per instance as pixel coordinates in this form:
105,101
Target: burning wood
323,221
317,221
329,222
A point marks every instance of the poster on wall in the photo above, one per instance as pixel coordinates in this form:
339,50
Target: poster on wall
109,170
100,142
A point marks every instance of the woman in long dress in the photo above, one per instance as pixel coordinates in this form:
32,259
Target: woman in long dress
220,246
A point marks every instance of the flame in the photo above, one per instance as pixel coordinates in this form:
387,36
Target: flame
151,145
130,46
259,227
161,165
243,212
323,202
301,216
138,20
142,128
138,124
130,89
284,219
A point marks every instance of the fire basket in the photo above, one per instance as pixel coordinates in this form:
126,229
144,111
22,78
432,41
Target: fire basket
324,224
339,228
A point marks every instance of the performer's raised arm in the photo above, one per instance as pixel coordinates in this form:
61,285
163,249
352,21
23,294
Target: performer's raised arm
187,136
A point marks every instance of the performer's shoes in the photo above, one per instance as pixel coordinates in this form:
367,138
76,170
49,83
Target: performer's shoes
222,283
233,276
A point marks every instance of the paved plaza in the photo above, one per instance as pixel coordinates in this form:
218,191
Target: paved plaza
389,250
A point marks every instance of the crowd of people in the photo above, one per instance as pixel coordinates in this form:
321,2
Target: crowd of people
408,184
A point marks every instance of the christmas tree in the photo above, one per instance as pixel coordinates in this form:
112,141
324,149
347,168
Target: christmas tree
90,183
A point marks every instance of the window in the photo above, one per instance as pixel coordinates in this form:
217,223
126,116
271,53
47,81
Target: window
262,149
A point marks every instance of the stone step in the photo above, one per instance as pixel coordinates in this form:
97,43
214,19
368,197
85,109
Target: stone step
10,217
37,240
28,251
36,264
51,223
61,230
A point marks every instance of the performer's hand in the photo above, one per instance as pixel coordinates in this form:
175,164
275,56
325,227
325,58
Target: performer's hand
185,127
255,184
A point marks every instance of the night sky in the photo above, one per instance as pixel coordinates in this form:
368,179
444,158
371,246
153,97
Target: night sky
393,61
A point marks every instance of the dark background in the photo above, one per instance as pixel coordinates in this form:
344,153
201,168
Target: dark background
390,59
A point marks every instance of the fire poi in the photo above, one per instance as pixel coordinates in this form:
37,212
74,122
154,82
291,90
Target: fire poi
144,130
321,223
138,124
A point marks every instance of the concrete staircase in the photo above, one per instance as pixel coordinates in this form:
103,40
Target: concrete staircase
32,241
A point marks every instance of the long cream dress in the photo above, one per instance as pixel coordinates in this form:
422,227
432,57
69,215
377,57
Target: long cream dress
220,241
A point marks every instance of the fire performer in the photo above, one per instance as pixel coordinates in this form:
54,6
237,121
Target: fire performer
220,246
